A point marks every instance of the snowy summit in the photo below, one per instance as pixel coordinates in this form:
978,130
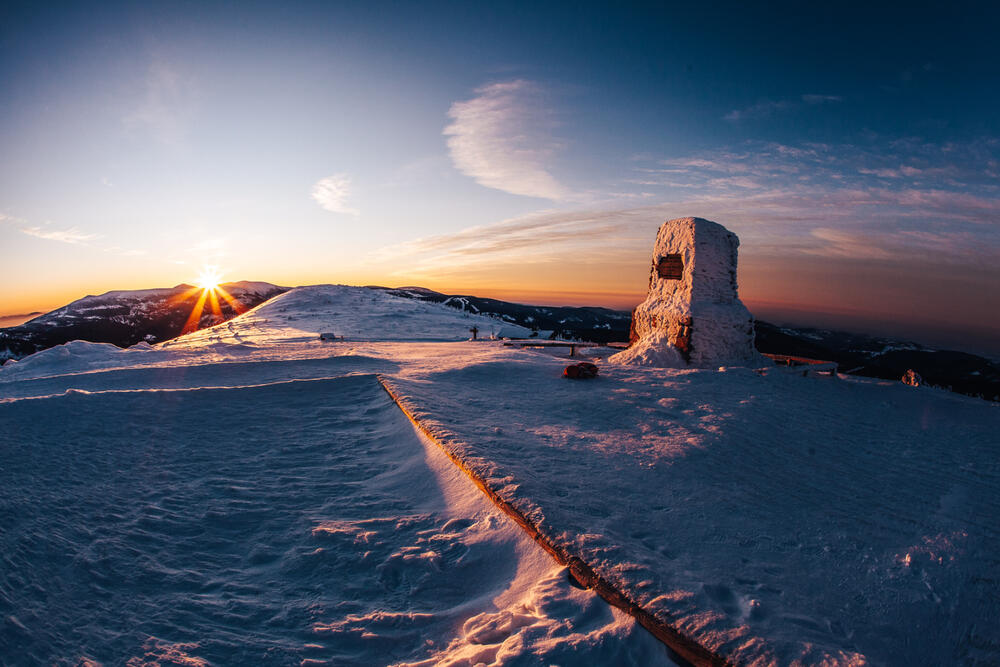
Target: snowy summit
250,492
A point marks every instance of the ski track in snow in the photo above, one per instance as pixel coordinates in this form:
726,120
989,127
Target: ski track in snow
773,518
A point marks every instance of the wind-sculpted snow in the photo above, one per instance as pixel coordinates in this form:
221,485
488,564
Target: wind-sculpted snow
228,374
771,518
276,524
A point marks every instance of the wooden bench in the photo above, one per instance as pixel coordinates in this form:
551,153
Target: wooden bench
532,342
803,365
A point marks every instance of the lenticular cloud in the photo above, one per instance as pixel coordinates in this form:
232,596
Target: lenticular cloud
500,138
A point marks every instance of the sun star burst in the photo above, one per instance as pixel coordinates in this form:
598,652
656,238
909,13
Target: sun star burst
209,278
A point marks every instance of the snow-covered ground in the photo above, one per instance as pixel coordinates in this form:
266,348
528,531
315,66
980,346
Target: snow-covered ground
769,516
300,520
774,518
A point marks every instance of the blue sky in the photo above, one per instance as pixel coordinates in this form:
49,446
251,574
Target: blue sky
516,150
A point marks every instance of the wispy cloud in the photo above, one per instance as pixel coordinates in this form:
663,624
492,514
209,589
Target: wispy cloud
333,192
840,243
72,235
808,200
69,235
766,108
758,110
165,105
208,250
502,138
124,252
511,237
909,171
821,99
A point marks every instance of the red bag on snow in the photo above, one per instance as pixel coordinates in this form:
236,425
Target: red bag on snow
581,371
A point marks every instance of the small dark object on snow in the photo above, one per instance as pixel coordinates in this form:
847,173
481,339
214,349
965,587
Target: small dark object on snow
475,332
581,371
912,378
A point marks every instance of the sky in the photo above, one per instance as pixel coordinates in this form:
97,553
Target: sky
525,151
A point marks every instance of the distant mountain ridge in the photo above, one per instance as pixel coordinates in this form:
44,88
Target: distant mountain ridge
885,358
127,317
591,323
15,319
857,354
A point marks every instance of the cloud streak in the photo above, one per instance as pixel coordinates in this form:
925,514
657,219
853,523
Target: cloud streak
166,106
333,192
70,235
766,108
842,202
502,139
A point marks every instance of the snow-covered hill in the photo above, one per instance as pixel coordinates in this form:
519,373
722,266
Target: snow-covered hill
768,516
599,325
356,313
126,317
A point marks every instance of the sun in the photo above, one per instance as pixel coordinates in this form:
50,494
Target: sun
213,296
209,278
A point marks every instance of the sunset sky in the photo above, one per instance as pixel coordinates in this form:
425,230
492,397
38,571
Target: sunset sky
526,151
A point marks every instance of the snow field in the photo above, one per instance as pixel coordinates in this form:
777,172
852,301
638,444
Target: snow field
301,521
774,518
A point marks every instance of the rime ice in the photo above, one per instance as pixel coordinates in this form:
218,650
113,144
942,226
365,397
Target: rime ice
692,305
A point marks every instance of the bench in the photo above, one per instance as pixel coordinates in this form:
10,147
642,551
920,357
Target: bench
803,365
535,343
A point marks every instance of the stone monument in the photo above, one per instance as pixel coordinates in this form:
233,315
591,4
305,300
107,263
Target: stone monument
692,315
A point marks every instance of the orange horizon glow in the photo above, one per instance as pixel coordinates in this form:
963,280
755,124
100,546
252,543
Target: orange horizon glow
809,293
756,294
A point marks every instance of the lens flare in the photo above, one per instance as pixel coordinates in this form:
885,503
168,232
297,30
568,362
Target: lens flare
211,294
209,278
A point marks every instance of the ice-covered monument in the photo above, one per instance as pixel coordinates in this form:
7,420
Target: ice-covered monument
692,315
